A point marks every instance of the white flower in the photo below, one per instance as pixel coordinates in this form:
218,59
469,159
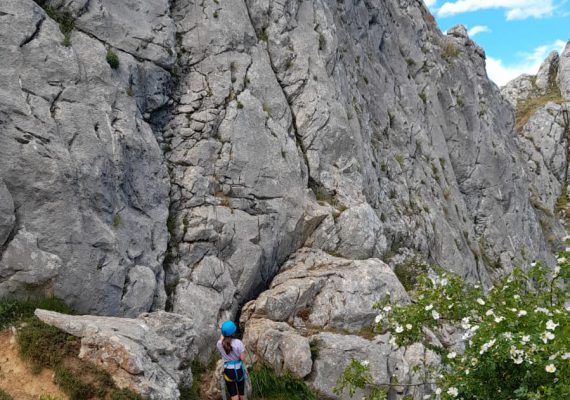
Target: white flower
487,346
438,391
516,297
443,282
393,342
387,309
452,355
546,336
476,286
399,329
565,238
378,318
499,319
525,339
522,313
453,392
427,396
550,368
429,307
553,357
551,325
565,356
467,371
435,315
507,335
409,327
561,260
557,270
533,264
474,361
542,310
474,328
489,312
465,323
365,363
481,301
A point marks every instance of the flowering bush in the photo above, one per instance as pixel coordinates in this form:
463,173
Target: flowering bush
513,339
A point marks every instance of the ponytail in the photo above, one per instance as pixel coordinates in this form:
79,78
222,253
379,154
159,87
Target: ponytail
227,343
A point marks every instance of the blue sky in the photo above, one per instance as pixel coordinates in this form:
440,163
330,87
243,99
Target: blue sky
516,34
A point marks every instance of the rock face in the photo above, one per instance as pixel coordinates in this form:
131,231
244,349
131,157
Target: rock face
233,137
82,166
150,354
543,112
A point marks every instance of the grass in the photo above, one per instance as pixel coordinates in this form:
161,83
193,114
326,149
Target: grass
12,311
5,396
43,345
69,381
66,23
112,59
450,52
526,109
117,220
267,385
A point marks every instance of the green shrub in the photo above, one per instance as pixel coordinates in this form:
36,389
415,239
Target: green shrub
5,396
516,335
450,52
44,345
125,394
112,58
267,385
72,384
13,311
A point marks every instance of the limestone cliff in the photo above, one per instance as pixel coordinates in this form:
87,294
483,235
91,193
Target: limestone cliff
175,154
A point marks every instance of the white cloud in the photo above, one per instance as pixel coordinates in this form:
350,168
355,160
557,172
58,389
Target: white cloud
515,9
478,29
430,3
529,63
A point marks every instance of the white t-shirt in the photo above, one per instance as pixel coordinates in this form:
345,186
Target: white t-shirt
237,349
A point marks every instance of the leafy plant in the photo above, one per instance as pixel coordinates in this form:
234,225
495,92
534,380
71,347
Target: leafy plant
450,52
516,335
112,58
73,385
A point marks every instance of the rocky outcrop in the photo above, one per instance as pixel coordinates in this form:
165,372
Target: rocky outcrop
150,354
563,77
78,158
316,292
543,123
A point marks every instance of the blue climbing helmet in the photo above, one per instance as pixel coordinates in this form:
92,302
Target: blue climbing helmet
228,328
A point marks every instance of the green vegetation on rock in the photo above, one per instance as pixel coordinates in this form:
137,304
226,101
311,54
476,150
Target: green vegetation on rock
267,385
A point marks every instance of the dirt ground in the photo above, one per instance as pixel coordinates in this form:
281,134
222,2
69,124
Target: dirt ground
16,377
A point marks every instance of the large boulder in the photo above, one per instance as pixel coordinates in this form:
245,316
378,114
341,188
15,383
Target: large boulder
150,354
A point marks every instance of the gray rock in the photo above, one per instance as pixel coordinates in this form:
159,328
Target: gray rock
141,28
84,169
25,269
315,289
546,76
563,77
519,89
280,346
7,216
386,363
150,355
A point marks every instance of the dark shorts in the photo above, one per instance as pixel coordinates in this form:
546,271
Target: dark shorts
235,381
